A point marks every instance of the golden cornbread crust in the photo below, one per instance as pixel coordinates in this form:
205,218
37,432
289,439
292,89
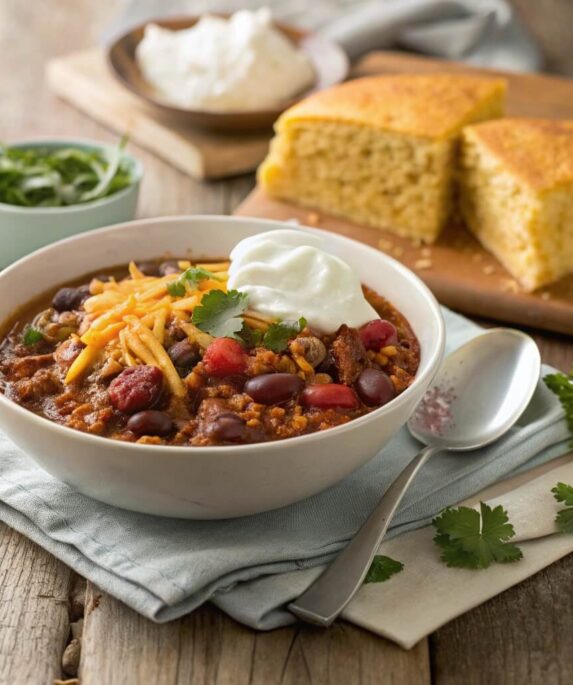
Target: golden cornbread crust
431,106
538,152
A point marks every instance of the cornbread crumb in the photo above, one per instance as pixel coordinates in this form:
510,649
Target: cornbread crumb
313,218
423,264
516,191
379,150
488,270
385,245
398,251
477,257
545,296
426,252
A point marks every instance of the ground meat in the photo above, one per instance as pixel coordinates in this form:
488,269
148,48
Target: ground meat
43,383
348,354
24,367
67,352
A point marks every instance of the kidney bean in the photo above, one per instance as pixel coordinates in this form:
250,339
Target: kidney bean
136,388
169,267
274,388
224,357
184,356
329,396
148,268
69,299
375,388
227,427
150,422
377,334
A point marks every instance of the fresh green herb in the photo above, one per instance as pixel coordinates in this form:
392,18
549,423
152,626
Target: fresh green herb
32,336
562,385
475,539
278,334
252,337
189,279
219,313
47,177
564,519
382,568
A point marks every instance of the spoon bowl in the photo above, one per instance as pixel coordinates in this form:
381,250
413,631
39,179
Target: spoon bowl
480,391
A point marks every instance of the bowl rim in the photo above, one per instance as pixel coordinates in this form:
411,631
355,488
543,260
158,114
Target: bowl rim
433,363
305,36
61,142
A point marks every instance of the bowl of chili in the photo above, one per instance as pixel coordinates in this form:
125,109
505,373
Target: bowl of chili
229,445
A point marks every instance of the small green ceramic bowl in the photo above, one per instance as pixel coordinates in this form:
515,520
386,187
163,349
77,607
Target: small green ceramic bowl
25,229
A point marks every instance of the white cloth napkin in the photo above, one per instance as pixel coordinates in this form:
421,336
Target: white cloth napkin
485,33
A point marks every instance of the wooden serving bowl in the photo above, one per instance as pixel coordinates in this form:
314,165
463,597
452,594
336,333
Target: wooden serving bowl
328,60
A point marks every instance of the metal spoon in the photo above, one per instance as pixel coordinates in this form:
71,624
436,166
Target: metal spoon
478,395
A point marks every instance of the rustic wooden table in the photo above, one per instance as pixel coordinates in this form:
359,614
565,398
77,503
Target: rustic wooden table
521,636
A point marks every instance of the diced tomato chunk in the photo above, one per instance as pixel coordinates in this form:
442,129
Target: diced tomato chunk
224,357
329,396
377,334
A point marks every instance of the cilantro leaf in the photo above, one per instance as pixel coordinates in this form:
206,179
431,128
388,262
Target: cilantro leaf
472,539
382,568
190,279
278,334
562,385
219,313
564,519
252,337
32,336
563,493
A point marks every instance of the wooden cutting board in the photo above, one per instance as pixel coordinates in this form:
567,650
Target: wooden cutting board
460,273
84,80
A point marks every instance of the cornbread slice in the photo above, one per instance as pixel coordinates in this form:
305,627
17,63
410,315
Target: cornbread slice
516,194
379,150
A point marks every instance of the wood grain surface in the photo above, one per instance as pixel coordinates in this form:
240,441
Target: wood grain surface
522,636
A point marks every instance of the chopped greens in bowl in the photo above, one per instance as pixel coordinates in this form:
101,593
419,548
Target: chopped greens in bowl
55,175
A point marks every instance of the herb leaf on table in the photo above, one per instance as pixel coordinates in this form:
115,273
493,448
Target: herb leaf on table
474,539
562,385
220,313
383,568
564,519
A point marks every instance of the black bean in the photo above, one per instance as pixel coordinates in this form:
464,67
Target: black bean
150,422
69,299
226,427
170,266
148,268
184,355
274,388
374,387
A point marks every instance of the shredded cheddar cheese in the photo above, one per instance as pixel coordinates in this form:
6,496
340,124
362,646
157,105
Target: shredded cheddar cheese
129,319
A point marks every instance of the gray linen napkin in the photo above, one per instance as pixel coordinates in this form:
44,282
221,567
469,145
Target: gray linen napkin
164,568
486,33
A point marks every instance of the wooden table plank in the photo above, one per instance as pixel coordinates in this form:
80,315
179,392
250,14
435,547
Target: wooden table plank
34,625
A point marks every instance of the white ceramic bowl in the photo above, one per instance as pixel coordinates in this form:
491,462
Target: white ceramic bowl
210,482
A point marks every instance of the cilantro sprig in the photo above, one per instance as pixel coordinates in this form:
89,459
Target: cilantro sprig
383,568
31,336
562,385
219,313
278,334
474,539
190,279
564,493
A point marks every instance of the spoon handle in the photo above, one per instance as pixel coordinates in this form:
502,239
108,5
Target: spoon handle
323,601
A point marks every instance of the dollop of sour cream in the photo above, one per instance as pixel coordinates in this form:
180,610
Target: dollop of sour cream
240,63
287,274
